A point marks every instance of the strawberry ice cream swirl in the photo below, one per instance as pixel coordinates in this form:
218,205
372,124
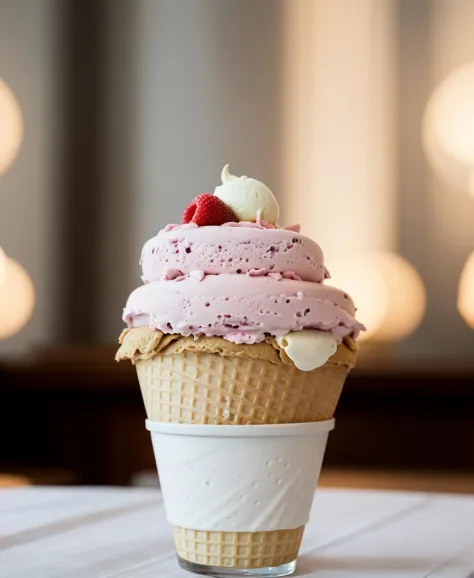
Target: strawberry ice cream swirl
237,248
241,308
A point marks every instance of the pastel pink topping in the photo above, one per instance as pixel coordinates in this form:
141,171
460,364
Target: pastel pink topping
232,249
239,281
241,308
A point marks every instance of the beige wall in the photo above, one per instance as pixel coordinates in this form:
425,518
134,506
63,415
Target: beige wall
27,209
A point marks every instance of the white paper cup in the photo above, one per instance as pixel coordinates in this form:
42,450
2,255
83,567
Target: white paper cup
226,478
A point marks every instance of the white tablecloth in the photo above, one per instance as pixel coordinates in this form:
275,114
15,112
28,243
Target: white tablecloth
122,533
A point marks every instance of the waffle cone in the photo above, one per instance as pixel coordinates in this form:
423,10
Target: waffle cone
208,388
238,549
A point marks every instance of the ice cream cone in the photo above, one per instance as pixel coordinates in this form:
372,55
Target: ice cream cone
241,351
213,381
208,388
238,549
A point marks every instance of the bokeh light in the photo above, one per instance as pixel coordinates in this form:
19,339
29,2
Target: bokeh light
388,292
17,299
466,292
11,127
448,129
3,260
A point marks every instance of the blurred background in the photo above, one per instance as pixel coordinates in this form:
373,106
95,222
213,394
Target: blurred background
359,115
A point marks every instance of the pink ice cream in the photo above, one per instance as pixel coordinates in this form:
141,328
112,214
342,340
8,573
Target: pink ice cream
231,249
241,308
239,281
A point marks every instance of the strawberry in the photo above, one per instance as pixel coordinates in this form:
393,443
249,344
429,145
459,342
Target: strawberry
208,209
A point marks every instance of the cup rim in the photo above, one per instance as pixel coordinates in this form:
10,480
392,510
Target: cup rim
266,430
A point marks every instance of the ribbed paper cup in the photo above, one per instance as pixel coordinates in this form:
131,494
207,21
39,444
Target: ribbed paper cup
239,497
208,388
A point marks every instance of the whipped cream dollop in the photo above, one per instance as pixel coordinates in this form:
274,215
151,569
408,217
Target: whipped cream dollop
308,349
248,198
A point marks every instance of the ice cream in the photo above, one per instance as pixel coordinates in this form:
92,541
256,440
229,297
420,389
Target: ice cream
234,326
242,281
231,249
240,308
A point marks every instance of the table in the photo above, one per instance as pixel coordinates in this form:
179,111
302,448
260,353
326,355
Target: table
122,533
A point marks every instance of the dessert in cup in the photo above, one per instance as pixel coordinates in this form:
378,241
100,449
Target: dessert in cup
241,351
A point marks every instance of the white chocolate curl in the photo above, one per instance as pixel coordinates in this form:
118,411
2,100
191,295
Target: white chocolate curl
248,198
226,176
309,348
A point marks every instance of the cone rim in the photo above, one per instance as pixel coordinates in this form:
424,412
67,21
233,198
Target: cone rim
225,430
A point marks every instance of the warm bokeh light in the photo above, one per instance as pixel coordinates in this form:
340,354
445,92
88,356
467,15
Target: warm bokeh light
448,129
339,122
466,292
365,285
3,260
387,290
11,127
17,299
